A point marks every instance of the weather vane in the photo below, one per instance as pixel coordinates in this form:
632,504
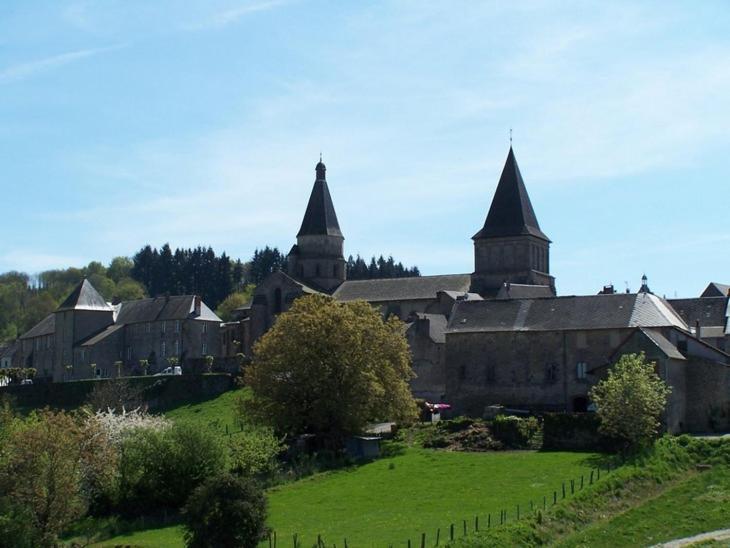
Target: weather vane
510,136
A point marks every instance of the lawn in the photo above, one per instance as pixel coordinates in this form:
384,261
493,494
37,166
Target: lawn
217,413
393,499
698,504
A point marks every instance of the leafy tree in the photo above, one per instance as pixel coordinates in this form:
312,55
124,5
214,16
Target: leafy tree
129,290
52,466
120,268
234,301
160,468
226,511
630,401
327,368
254,451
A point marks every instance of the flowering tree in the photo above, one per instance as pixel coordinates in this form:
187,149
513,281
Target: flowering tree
631,400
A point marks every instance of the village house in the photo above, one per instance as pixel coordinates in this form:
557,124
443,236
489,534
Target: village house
86,337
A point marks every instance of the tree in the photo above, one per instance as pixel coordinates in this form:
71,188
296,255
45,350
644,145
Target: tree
51,468
630,401
234,301
226,511
327,368
119,268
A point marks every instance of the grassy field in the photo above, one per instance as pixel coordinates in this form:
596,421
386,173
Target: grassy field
700,503
217,413
393,499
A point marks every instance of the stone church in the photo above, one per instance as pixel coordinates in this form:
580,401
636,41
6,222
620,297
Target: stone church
500,335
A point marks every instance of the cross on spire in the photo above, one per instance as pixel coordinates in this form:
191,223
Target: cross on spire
510,137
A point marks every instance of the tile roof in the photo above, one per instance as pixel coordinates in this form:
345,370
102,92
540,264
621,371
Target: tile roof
436,326
47,326
402,289
320,217
664,344
85,297
178,307
524,291
564,313
715,289
710,311
511,212
94,339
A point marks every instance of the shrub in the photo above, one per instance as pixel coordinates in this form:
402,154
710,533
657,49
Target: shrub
254,452
226,511
160,468
515,432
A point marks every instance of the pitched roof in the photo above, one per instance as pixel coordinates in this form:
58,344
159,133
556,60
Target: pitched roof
47,326
179,307
524,291
436,326
85,297
710,311
620,310
98,337
402,289
511,212
715,289
320,217
662,343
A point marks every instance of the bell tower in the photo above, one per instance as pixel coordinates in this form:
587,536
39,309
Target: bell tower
318,256
510,247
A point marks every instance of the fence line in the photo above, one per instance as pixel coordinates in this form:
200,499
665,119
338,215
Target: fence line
421,540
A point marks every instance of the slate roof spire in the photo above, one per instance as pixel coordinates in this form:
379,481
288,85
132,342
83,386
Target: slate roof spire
320,217
84,297
511,212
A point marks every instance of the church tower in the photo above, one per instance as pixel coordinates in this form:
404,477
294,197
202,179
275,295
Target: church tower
317,258
510,247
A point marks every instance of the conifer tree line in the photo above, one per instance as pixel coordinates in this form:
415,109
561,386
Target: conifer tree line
358,269
223,283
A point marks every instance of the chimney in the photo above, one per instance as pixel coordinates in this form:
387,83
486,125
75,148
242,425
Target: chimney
198,306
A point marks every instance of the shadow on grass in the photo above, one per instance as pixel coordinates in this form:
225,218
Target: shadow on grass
98,529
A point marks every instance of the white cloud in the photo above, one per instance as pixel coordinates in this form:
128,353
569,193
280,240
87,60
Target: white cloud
229,16
22,71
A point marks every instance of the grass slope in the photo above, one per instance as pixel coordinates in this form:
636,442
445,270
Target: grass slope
216,413
698,504
393,499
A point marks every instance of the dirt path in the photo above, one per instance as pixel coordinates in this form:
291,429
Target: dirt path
720,534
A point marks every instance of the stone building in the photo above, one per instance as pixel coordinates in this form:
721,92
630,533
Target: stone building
500,335
87,337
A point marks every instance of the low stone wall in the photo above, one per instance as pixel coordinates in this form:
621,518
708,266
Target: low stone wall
158,392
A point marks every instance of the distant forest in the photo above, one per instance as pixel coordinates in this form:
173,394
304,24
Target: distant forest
224,283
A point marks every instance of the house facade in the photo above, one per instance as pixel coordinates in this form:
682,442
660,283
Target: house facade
87,337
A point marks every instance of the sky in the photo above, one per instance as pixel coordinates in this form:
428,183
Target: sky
128,122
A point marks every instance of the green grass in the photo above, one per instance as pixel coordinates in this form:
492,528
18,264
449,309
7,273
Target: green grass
216,413
699,504
393,499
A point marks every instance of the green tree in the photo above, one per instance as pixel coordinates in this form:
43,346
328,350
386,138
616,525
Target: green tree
129,290
327,368
226,511
234,301
120,268
630,401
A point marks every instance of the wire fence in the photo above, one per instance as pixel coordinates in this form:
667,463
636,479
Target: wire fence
458,529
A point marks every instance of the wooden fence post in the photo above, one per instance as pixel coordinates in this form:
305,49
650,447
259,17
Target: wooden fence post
451,532
464,527
581,482
423,540
438,535
489,521
476,523
563,489
518,511
572,487
555,497
590,480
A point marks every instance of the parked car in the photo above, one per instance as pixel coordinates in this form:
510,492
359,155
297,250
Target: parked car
26,381
176,370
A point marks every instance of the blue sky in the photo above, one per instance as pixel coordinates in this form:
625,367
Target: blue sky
131,122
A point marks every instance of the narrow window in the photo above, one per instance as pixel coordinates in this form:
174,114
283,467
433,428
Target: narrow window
205,327
129,352
164,326
163,349
581,370
149,327
177,326
204,349
177,348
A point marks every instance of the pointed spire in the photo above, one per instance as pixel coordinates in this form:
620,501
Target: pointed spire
511,212
84,297
320,217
